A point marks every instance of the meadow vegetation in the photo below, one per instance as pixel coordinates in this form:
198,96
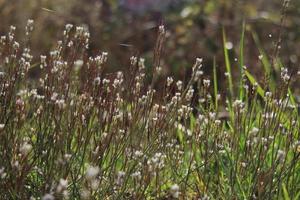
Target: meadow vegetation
79,132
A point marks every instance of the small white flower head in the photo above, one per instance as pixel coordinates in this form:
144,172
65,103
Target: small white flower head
212,115
169,81
120,177
25,148
281,155
297,146
16,45
2,126
228,45
48,197
97,81
268,95
68,27
286,2
217,122
174,190
161,29
2,173
284,75
60,103
43,58
136,175
62,185
199,61
244,164
179,85
29,26
254,131
206,83
92,172
78,64
85,194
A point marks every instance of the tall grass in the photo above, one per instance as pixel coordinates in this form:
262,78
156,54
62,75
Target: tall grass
80,133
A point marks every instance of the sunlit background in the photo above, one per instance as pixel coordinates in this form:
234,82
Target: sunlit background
194,29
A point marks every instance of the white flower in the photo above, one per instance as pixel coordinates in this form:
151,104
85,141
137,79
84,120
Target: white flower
78,64
48,197
169,81
175,191
2,126
206,82
179,85
62,186
228,45
92,172
25,148
254,131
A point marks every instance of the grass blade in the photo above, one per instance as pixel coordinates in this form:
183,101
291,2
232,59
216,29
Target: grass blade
228,65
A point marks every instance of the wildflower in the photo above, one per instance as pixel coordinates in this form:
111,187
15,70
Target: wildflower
78,64
244,164
120,177
2,126
228,45
254,131
92,172
161,29
199,61
16,45
48,197
281,154
62,186
68,27
169,81
212,115
2,173
268,95
205,197
284,75
238,104
179,85
29,26
61,103
198,74
174,190
297,146
136,175
85,194
206,83
217,122
97,81
189,94
25,148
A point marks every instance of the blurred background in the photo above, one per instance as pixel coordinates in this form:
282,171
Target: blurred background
194,29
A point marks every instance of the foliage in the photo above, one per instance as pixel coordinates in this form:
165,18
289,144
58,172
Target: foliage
79,132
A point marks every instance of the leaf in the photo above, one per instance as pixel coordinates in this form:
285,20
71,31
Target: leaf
265,60
260,91
285,193
215,84
241,60
227,63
